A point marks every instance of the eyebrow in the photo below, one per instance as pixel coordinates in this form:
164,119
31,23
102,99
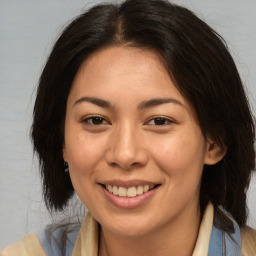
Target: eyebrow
158,101
143,105
99,102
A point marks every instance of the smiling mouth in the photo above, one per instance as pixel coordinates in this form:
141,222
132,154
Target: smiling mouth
131,191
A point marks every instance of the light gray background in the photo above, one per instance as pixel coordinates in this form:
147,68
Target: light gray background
27,31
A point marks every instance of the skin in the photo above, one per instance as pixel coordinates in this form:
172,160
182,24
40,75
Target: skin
128,143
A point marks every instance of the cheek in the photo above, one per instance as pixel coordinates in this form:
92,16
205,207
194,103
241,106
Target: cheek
179,155
83,151
181,161
83,158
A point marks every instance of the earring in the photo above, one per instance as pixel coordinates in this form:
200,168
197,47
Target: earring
65,166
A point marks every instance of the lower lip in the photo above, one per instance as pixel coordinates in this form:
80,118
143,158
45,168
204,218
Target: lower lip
129,202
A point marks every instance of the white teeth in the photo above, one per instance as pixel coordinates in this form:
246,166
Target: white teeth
145,188
129,192
139,190
110,188
122,191
115,190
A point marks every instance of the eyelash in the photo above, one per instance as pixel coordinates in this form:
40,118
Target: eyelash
160,119
95,118
163,121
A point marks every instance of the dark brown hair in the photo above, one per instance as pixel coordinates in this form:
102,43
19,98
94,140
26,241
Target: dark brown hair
198,62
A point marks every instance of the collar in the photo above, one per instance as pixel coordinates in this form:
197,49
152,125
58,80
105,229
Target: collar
222,243
210,242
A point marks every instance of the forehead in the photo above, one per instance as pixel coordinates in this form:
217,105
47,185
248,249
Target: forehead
119,68
114,61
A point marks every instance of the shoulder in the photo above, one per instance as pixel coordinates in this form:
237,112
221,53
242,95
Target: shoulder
54,240
59,240
28,245
248,235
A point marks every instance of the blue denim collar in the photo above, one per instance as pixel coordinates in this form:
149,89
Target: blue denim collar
222,244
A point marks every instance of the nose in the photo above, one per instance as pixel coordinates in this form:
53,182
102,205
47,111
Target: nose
126,148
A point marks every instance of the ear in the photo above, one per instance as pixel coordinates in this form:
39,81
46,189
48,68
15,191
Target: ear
214,153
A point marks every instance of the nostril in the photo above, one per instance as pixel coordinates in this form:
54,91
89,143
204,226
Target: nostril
124,166
113,164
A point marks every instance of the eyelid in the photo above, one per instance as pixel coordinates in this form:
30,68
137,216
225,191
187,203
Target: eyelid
86,118
168,119
105,121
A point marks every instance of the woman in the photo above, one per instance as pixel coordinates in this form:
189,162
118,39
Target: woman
140,110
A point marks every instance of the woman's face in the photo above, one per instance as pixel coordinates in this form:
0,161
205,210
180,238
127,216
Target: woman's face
134,147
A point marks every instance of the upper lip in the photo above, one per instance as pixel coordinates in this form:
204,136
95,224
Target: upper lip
128,183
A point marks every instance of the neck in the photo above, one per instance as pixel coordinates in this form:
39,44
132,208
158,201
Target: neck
175,238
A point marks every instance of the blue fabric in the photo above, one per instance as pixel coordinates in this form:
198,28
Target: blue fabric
55,244
232,245
215,245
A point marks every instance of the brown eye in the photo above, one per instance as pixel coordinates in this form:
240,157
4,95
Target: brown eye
159,121
95,120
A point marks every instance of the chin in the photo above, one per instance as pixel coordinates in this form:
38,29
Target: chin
129,228
131,231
